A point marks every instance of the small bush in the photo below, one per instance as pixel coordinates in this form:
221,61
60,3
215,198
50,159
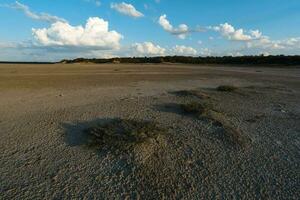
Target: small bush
226,88
123,134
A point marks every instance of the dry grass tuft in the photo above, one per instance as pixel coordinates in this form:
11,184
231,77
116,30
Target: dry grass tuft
234,135
206,111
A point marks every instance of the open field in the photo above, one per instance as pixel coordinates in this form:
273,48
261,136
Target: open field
241,143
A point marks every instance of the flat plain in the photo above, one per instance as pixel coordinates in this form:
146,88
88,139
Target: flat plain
45,110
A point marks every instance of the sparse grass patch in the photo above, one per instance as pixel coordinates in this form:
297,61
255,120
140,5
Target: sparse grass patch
206,111
124,134
234,135
226,88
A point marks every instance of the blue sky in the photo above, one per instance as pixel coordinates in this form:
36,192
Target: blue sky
55,29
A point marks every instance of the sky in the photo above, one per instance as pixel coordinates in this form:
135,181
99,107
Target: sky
52,30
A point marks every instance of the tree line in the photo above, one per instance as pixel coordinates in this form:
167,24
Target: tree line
242,60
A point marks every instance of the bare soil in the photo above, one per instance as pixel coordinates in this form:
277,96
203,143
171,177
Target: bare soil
45,111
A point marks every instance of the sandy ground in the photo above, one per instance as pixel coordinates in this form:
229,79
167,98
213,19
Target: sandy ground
45,108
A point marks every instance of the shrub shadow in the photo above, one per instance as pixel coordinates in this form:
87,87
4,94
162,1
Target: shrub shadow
75,134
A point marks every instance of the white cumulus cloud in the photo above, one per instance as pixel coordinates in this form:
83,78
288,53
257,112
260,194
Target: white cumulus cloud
148,48
183,50
95,34
181,31
255,41
230,33
126,9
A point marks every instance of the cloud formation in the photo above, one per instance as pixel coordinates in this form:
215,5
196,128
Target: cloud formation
95,34
230,33
36,16
266,43
94,39
255,41
126,9
148,49
183,50
181,31
206,52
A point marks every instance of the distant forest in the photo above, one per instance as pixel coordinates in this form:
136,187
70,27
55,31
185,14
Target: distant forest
279,60
242,60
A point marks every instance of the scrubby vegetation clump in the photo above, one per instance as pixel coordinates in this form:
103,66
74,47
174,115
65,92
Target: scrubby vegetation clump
123,133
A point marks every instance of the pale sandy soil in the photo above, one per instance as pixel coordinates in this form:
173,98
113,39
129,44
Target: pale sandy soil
45,108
